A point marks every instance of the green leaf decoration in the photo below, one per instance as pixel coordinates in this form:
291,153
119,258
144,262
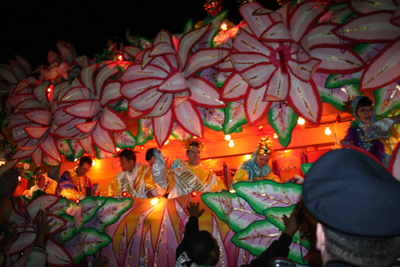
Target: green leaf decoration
143,43
90,205
338,13
123,106
231,209
215,28
125,139
337,80
188,26
305,167
238,129
74,248
65,149
133,40
179,133
38,193
283,120
216,77
257,237
60,208
73,73
266,194
101,154
234,116
145,132
275,216
212,118
69,229
50,162
387,99
28,175
109,213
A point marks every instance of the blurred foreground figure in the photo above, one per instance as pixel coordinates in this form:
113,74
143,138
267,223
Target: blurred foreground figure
356,201
42,182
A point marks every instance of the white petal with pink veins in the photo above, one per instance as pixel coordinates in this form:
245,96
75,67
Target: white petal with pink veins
334,61
304,70
162,106
18,71
77,93
40,116
60,117
24,63
135,114
303,16
205,58
162,128
84,109
111,93
364,7
234,88
245,42
17,119
40,92
257,24
37,157
87,145
28,105
103,140
372,28
244,60
146,59
187,42
132,50
67,52
204,93
396,17
68,130
35,132
256,109
258,75
135,72
174,83
103,75
82,61
110,120
7,75
146,100
383,69
86,127
188,117
304,99
86,77
166,62
18,133
278,32
163,36
181,97
278,86
49,147
321,36
17,99
162,49
136,87
172,60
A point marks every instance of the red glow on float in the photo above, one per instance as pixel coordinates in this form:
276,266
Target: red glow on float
194,193
141,147
120,57
260,128
49,89
224,26
124,194
77,201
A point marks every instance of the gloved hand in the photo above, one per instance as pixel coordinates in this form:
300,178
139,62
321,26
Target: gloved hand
158,171
381,128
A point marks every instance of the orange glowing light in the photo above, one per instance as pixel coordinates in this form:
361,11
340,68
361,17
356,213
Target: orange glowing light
328,131
224,26
120,57
194,193
227,137
77,201
231,143
260,127
166,142
301,121
118,149
275,135
247,156
49,89
19,178
124,194
93,163
141,147
154,201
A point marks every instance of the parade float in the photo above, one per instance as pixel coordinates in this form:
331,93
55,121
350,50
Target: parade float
227,85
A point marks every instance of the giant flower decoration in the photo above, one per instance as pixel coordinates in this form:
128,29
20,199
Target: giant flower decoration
162,83
81,109
272,64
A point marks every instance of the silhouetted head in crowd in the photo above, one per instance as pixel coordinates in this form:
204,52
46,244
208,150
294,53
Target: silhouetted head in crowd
203,249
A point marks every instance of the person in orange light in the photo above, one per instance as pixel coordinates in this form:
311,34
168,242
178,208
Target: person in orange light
74,184
42,182
135,179
256,168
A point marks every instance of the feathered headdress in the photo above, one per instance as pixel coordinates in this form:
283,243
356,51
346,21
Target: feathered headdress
265,146
189,142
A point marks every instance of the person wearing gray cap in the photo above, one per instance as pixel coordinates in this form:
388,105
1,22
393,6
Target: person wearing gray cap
356,202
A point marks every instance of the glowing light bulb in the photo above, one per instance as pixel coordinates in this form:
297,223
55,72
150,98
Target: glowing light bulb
286,151
154,201
247,156
141,147
124,194
49,89
77,201
232,191
275,135
118,149
75,160
231,144
194,193
227,137
301,121
93,163
166,142
260,128
328,130
224,26
120,57
19,178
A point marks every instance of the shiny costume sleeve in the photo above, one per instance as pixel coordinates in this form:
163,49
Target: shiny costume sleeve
66,187
114,189
145,173
51,188
242,176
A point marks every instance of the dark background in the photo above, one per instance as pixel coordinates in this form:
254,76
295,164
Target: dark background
32,28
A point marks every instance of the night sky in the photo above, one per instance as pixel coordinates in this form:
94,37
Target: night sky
32,28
